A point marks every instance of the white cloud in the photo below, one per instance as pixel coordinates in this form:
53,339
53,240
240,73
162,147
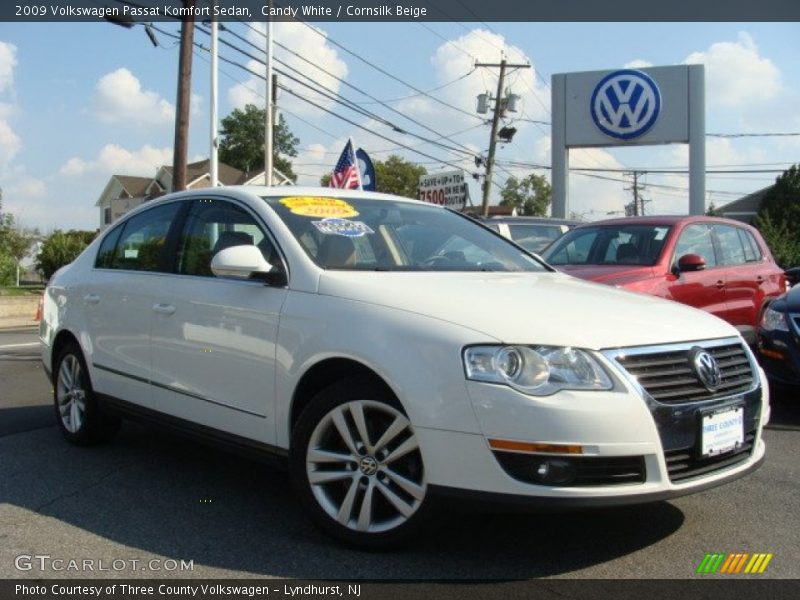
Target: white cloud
638,63
306,43
113,159
10,143
736,75
28,188
457,57
119,97
8,61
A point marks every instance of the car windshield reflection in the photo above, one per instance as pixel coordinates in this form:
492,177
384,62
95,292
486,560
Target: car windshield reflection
385,235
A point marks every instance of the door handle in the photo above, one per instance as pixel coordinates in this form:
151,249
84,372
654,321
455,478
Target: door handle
759,280
164,309
720,284
91,298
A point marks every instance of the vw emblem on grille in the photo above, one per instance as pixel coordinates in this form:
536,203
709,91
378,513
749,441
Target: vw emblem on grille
625,104
706,368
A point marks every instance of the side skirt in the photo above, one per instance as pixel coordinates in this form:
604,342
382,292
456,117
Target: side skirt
273,455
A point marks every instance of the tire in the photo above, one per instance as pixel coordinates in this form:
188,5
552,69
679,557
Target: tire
78,414
369,493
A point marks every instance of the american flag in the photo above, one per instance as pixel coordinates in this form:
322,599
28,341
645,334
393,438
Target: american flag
345,174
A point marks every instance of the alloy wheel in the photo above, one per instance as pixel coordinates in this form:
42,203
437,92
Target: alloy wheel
364,466
71,394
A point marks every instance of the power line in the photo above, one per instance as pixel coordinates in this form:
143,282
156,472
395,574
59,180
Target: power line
385,72
336,115
752,135
336,97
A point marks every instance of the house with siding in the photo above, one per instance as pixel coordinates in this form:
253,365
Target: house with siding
123,193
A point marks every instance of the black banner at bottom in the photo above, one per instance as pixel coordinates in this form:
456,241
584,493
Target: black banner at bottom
285,589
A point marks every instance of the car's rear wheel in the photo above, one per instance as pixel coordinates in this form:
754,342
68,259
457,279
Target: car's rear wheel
79,417
357,466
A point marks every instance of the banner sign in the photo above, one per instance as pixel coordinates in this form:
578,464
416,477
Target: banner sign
447,188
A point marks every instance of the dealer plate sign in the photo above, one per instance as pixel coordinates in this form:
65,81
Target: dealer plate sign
723,431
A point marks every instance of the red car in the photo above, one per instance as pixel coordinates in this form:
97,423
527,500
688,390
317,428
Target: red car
718,265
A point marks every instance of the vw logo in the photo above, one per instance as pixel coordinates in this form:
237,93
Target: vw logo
625,104
706,369
368,465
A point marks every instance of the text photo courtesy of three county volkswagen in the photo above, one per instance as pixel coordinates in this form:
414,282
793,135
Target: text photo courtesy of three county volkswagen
493,306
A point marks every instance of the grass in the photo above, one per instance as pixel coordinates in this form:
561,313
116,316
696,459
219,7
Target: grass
23,290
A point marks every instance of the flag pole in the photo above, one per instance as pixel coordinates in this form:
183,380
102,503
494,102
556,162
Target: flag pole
355,163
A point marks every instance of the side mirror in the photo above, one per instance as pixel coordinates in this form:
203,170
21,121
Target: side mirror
240,262
691,262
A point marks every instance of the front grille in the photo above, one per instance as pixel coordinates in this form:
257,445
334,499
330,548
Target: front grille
669,377
686,464
575,470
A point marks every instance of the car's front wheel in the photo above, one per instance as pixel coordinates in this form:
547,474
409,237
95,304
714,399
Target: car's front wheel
79,417
357,466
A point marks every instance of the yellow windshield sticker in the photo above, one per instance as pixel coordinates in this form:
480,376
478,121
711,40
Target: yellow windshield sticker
317,206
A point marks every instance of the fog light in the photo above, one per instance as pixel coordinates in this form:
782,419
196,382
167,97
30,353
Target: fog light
554,471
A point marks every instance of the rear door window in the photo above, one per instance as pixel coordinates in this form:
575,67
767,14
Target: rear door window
730,245
141,242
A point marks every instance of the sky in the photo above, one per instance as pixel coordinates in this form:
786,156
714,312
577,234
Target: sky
82,101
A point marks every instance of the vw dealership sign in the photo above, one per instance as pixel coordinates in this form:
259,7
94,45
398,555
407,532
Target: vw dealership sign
629,107
625,104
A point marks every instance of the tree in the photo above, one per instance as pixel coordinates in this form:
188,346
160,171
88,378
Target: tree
779,218
17,243
531,196
61,248
242,141
395,176
713,211
398,176
8,265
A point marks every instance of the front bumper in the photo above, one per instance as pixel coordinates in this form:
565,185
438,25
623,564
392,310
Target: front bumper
524,503
633,449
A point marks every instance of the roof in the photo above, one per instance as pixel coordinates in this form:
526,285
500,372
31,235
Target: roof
226,174
662,220
542,220
135,186
747,204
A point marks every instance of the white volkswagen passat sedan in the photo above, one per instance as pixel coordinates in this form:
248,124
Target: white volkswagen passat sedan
392,352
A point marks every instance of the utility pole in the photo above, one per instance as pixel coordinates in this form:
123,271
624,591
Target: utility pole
214,126
269,125
184,97
499,110
638,200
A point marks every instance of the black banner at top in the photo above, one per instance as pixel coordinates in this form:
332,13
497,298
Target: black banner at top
401,10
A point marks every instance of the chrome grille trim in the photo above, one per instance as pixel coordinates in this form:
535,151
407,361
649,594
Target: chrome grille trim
662,374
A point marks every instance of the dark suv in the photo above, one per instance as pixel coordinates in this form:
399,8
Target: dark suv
719,265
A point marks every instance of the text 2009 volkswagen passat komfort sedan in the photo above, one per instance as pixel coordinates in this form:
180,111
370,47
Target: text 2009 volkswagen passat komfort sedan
394,352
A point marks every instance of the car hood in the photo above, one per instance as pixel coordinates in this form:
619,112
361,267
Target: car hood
609,274
531,308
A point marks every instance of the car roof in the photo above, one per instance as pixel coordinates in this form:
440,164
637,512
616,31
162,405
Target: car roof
664,220
537,220
283,191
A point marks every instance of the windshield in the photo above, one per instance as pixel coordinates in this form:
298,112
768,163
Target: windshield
387,235
623,244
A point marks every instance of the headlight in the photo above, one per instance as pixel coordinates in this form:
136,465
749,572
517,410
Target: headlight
774,320
536,370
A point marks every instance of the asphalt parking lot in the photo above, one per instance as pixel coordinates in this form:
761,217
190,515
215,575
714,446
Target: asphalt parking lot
150,496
